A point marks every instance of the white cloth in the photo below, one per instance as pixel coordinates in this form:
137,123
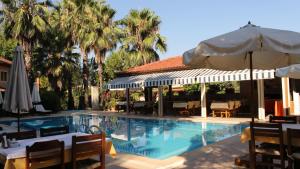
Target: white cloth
20,152
272,48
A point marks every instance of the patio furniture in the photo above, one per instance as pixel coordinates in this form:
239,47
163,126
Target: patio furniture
138,106
193,106
121,105
220,108
38,154
283,119
272,130
182,107
85,147
21,135
15,158
293,152
246,135
54,131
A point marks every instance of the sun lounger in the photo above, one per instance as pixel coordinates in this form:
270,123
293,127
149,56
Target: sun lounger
39,108
182,106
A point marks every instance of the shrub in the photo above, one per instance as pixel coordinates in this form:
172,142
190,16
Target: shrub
50,100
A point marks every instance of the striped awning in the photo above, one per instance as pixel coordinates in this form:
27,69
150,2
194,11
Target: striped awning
184,77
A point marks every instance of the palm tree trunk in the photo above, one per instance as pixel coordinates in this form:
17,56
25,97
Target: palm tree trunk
85,77
27,47
70,94
100,56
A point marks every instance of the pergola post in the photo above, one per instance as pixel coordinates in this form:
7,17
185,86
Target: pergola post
127,100
203,100
285,95
295,99
160,101
261,99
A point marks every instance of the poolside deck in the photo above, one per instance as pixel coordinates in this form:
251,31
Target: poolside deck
214,156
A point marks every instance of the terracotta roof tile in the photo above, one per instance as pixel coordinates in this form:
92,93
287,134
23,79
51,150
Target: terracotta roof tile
173,63
5,61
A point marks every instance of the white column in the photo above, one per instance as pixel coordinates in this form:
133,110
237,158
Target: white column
296,100
95,97
160,101
261,99
127,100
203,100
285,95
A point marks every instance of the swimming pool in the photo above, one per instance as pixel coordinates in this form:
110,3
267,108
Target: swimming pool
159,139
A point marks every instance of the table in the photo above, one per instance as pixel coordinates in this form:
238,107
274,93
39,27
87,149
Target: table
246,135
15,158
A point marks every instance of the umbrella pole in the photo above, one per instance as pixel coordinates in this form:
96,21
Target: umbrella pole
251,88
18,120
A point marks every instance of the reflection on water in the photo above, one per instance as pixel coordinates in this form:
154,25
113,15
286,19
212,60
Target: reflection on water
152,138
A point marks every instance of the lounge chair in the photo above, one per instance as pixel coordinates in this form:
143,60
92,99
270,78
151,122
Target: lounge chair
219,108
183,108
39,108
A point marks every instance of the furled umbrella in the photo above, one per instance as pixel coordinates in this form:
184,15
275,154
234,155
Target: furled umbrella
292,71
36,100
250,47
17,97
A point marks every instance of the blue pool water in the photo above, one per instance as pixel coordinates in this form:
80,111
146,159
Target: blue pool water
157,139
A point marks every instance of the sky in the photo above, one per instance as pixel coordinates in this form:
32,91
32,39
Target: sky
187,22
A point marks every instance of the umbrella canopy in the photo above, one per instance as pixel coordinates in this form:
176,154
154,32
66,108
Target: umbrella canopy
292,71
251,47
271,48
1,98
35,94
17,95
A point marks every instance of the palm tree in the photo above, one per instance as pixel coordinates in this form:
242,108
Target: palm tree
143,39
79,18
25,20
104,36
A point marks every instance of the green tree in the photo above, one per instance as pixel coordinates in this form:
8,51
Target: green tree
142,38
79,18
25,20
7,46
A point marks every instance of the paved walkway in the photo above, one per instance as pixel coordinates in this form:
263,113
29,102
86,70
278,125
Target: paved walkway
220,155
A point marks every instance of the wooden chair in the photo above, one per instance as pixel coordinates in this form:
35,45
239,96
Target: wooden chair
85,147
272,130
21,135
283,119
45,154
44,132
293,153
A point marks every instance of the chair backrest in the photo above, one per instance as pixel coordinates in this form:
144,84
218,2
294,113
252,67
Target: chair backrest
21,135
54,131
41,152
283,119
293,136
87,146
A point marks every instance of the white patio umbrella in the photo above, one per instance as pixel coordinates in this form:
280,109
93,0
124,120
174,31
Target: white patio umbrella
248,47
292,71
17,95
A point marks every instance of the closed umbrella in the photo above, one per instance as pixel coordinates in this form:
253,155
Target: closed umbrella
293,72
1,98
36,100
17,95
250,47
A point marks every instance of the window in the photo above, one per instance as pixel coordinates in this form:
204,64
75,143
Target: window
3,76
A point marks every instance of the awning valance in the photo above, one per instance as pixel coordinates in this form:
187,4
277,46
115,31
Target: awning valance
184,77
